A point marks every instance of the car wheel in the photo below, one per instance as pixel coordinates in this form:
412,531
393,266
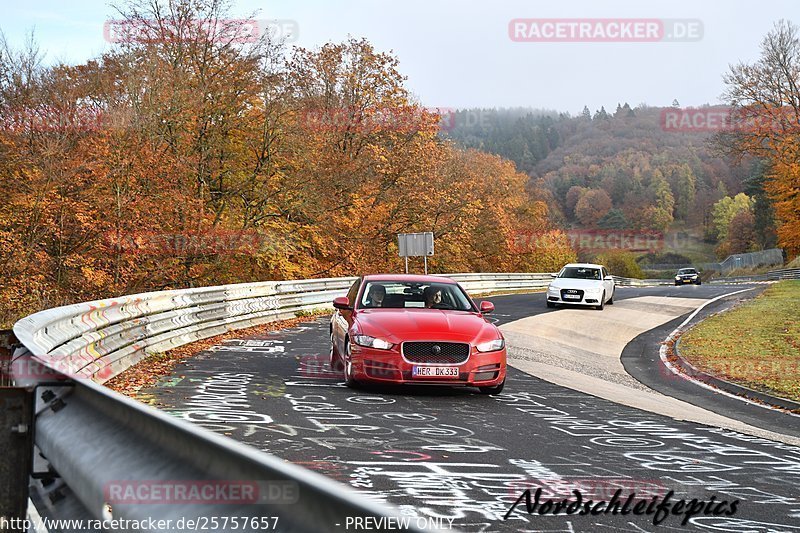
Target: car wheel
699,282
602,303
347,367
491,391
550,304
611,300
336,361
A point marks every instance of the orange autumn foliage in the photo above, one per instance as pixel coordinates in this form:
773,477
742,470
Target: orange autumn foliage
206,163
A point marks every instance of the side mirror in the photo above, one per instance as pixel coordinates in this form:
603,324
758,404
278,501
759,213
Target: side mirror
609,278
342,302
553,275
487,307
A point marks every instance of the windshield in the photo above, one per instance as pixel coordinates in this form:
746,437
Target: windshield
404,295
580,273
687,271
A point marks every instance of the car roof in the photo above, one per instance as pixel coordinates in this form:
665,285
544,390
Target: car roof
413,278
584,265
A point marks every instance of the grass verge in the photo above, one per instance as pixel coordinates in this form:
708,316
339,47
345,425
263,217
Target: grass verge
756,344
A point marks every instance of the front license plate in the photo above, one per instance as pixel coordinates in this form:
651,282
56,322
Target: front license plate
435,372
687,281
572,297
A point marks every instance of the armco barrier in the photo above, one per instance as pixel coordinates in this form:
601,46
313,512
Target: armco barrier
89,343
773,275
101,339
632,282
92,436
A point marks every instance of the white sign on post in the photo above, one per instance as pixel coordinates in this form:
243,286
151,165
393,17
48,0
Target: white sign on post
415,245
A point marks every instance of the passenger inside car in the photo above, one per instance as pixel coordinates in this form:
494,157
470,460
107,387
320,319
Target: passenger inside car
375,296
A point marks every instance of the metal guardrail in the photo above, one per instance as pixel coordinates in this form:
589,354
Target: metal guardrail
81,346
674,267
632,282
98,440
773,275
92,436
771,257
764,258
491,283
99,340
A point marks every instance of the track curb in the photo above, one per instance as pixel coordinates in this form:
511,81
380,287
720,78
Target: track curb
676,363
693,372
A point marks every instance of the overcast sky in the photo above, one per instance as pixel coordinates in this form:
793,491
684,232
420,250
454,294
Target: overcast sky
460,54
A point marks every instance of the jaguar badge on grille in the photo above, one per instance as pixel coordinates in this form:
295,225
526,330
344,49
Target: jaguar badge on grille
436,349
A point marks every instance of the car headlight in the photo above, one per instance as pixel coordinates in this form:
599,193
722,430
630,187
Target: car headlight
372,342
491,346
677,278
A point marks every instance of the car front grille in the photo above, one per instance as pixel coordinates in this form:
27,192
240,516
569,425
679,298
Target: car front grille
436,353
571,292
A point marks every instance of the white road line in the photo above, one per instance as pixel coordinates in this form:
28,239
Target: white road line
36,520
662,352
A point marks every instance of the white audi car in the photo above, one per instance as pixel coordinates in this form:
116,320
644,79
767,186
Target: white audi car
582,284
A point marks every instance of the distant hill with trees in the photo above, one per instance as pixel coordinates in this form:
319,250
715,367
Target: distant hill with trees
626,170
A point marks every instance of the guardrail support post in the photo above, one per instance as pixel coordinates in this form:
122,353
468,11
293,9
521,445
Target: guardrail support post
16,443
16,440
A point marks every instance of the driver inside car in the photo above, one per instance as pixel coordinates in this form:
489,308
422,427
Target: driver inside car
433,297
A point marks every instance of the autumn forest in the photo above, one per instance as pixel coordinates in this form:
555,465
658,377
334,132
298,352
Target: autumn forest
194,159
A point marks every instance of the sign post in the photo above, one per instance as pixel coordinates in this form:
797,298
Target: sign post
415,245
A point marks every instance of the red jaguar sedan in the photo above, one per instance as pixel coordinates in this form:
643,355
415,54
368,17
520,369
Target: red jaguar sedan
407,329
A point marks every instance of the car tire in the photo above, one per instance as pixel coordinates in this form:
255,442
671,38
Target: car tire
336,361
699,282
491,391
602,303
676,283
550,304
611,300
347,367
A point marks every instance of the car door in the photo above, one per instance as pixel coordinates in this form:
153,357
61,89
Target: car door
342,318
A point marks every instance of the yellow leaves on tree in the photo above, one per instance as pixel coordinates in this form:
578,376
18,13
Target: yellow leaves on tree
766,102
211,163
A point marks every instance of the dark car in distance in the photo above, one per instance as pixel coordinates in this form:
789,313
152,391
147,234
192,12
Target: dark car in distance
686,276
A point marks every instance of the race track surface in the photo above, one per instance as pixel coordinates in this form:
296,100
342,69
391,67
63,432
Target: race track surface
446,452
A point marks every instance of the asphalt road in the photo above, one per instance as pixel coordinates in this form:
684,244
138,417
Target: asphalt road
517,306
457,454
